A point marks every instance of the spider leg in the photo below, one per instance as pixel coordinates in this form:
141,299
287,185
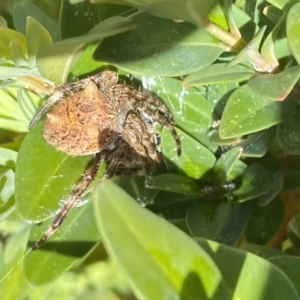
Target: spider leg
79,189
161,114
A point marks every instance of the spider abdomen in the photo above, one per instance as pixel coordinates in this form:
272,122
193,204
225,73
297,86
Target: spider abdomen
84,123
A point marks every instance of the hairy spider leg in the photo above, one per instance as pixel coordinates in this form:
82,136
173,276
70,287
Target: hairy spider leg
103,80
79,189
162,115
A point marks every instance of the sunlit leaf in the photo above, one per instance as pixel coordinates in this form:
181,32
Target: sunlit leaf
44,177
282,84
74,240
293,27
37,39
195,160
170,49
219,74
247,112
245,266
183,272
56,61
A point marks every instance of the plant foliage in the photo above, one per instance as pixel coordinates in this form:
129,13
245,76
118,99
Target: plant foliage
221,221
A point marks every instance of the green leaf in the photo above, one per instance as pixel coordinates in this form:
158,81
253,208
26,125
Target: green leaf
56,61
292,30
191,111
170,49
26,8
256,144
262,251
255,182
13,284
8,158
174,183
281,83
264,222
191,11
290,266
224,223
293,231
178,268
44,177
276,185
225,164
250,53
70,16
288,134
70,245
7,36
7,185
267,281
195,160
37,39
246,112
219,74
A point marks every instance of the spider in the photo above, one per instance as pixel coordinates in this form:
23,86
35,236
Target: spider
113,121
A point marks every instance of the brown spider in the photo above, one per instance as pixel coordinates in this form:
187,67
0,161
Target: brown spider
114,121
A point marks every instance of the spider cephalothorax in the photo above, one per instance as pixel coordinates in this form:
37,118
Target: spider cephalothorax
99,116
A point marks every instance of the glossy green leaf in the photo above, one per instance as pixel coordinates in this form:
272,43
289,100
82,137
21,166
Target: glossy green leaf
195,160
3,22
191,111
255,182
292,30
262,251
18,57
56,61
250,53
44,177
256,144
268,46
276,185
264,222
23,9
8,158
290,265
246,112
218,95
224,223
70,245
191,11
7,185
85,14
13,284
237,267
137,188
175,183
170,49
288,134
219,74
7,36
37,39
174,272
293,231
282,84
225,164
11,115
29,103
